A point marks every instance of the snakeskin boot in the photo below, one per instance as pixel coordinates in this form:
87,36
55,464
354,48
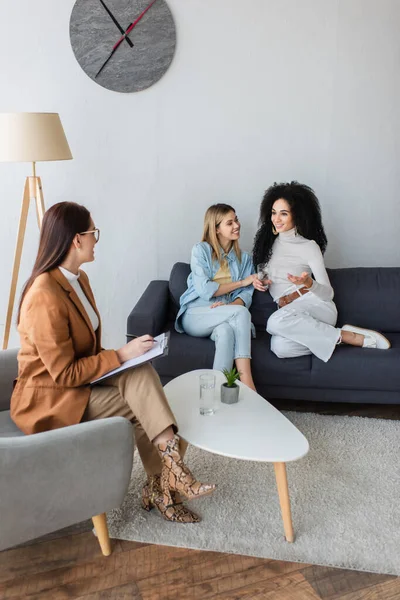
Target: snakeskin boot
152,496
175,475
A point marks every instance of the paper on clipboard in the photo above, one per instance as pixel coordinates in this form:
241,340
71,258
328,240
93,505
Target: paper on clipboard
159,349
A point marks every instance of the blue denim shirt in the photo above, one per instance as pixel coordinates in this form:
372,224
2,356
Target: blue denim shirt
200,284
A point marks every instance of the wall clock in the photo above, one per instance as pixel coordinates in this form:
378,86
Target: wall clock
123,45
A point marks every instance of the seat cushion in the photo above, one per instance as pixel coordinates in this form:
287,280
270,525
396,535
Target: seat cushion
7,425
268,369
355,368
186,353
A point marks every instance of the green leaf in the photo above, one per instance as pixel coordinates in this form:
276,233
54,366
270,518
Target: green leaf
231,376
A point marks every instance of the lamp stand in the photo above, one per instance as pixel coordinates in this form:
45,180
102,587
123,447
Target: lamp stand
32,191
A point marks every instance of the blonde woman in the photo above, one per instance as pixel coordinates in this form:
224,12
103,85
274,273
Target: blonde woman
219,293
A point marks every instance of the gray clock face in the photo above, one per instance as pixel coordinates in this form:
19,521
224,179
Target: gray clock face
144,55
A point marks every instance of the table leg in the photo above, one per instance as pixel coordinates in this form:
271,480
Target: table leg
284,500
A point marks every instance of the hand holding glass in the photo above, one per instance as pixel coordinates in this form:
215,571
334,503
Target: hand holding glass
262,273
207,393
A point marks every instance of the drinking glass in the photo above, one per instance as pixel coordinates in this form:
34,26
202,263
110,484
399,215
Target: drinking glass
207,393
262,273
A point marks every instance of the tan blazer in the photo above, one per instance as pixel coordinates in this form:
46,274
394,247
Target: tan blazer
60,354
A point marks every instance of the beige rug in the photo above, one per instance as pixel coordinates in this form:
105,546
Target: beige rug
344,495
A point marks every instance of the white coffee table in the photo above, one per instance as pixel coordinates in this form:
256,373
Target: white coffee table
252,429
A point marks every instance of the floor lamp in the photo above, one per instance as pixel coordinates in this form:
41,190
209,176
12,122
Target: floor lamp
29,137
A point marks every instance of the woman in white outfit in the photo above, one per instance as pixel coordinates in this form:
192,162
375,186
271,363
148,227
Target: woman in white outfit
291,241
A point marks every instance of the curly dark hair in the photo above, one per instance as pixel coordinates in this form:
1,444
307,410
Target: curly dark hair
306,213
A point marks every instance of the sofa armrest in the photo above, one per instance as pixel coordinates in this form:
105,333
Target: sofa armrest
8,372
150,313
54,479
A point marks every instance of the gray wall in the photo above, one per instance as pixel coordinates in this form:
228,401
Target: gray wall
258,91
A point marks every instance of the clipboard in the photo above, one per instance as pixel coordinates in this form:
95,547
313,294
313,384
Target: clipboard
158,350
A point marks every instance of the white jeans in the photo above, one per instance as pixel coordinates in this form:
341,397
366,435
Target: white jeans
305,326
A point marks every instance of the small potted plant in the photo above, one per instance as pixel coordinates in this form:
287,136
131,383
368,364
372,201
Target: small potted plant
230,389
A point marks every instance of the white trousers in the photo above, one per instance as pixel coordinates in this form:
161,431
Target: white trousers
305,326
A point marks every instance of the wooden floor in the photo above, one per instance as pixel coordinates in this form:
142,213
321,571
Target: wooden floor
68,564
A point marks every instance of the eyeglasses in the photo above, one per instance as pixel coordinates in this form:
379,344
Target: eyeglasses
96,233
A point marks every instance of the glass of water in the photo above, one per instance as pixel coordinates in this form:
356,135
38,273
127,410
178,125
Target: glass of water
207,393
262,273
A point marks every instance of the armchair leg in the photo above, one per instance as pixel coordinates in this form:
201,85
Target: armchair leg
100,525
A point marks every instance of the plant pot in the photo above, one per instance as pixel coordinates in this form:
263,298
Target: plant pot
229,395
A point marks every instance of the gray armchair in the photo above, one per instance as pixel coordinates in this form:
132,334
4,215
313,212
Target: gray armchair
58,478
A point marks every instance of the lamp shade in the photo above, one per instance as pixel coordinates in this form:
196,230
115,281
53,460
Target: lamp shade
31,137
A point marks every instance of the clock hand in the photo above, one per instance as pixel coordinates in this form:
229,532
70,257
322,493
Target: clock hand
110,55
115,21
105,62
140,17
124,36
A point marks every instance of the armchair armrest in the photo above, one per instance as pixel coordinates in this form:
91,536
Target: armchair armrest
8,372
150,313
54,479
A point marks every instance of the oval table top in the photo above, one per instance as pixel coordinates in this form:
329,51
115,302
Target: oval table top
251,429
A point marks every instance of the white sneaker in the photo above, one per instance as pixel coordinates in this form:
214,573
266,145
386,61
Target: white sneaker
372,339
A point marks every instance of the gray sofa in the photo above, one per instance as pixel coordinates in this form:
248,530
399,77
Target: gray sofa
57,478
368,297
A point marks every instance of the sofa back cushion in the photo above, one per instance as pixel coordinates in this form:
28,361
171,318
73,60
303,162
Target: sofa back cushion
261,309
368,297
364,296
177,285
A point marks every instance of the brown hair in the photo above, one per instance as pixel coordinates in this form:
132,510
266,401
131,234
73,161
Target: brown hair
60,225
212,219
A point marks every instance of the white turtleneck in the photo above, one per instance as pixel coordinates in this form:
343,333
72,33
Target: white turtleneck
292,254
73,280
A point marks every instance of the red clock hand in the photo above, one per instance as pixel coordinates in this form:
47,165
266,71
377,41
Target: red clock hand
135,22
133,25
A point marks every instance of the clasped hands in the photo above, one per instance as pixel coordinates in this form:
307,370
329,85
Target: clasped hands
219,303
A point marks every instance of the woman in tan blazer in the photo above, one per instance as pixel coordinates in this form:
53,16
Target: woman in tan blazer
61,353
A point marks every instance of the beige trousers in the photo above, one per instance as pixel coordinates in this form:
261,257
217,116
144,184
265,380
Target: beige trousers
137,395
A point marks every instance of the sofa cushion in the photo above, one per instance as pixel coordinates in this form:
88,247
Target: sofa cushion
368,297
178,282
359,368
261,309
186,353
268,369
